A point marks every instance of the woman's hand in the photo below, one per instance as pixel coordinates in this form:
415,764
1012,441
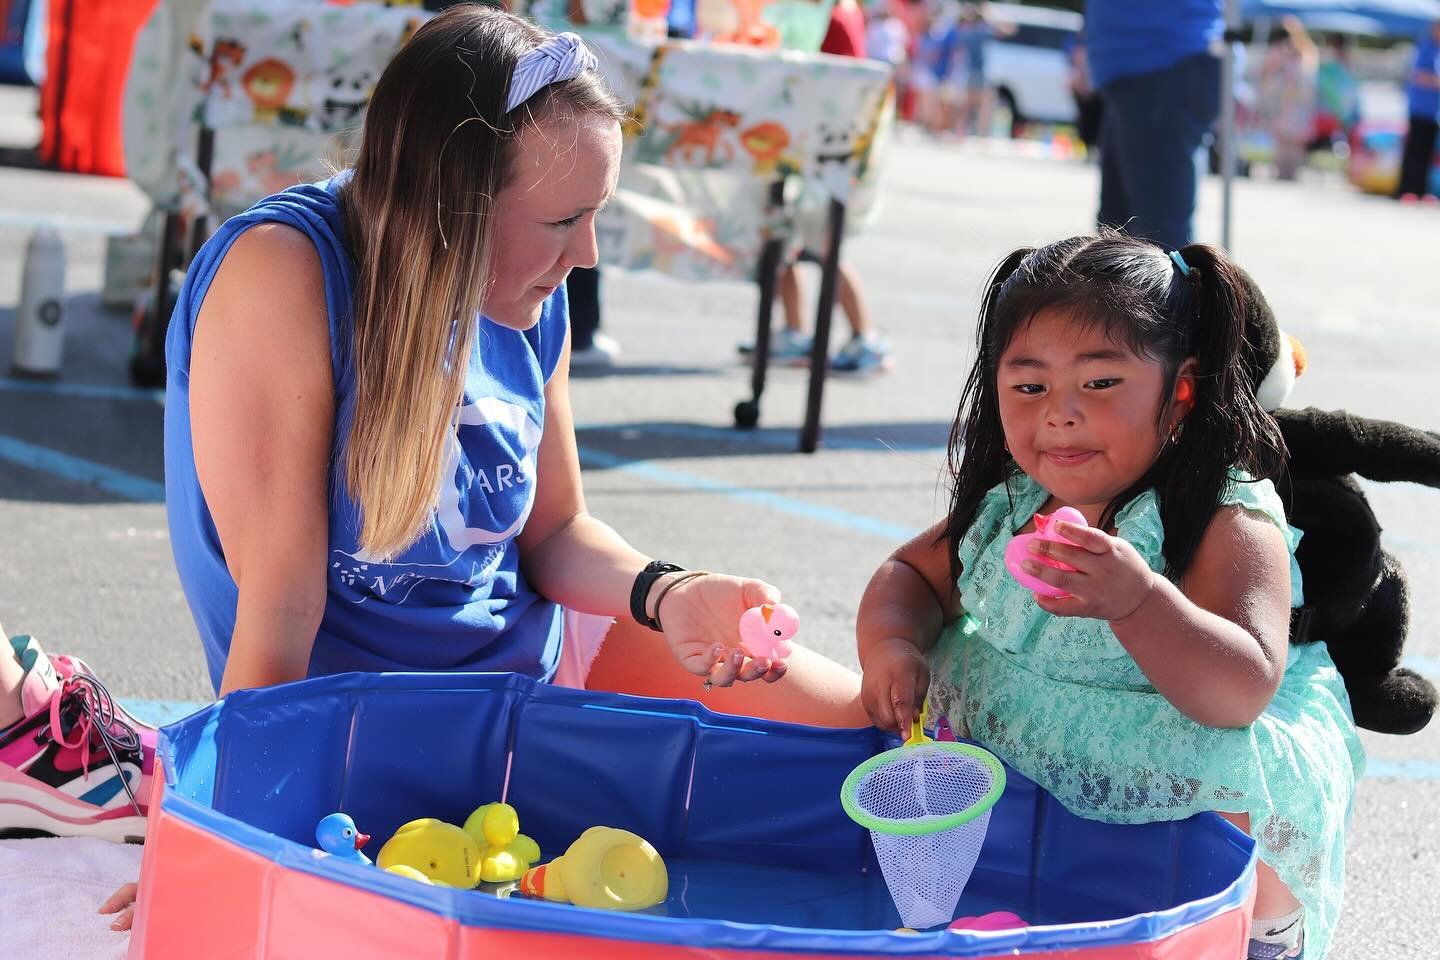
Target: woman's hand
701,620
1110,581
893,684
122,901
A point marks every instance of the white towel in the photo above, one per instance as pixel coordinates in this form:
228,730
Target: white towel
50,890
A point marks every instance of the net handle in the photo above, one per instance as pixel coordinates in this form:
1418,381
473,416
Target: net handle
917,726
920,828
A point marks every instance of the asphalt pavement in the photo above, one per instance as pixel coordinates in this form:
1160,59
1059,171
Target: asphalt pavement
85,560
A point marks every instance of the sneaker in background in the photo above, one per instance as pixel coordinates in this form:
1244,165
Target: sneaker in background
868,354
76,764
787,347
602,352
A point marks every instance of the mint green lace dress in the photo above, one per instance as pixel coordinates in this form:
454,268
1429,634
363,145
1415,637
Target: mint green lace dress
1061,701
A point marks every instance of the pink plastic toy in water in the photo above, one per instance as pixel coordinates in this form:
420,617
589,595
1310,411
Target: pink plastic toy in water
1000,920
765,631
1018,550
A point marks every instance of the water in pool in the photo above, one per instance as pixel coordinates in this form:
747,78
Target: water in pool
781,896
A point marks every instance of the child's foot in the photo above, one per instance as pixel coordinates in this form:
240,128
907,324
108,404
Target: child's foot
1280,939
787,346
76,764
868,354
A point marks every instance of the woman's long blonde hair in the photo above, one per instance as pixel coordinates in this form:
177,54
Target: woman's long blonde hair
437,149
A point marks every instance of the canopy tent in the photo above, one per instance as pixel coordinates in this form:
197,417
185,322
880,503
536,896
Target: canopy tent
1393,18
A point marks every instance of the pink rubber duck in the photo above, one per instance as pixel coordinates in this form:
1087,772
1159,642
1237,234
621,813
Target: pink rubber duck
999,920
1017,551
765,631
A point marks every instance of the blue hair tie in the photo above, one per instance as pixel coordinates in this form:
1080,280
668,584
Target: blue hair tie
1180,262
562,57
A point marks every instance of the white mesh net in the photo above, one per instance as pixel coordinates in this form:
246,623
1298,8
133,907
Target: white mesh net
908,801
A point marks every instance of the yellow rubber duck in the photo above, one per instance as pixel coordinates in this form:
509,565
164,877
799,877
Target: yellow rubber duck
401,870
506,852
441,851
605,868
490,848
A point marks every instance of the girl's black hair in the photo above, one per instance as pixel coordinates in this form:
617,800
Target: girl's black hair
1141,299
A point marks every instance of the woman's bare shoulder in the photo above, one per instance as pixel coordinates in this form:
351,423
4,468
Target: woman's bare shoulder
272,257
270,283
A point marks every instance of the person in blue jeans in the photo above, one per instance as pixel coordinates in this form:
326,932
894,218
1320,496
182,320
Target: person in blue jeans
1157,69
1422,89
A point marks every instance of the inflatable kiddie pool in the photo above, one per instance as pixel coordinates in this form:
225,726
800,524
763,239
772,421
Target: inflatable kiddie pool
763,861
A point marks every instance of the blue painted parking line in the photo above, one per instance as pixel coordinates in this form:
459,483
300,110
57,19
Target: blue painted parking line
83,391
160,712
139,489
79,470
1379,769
780,441
669,477
1428,666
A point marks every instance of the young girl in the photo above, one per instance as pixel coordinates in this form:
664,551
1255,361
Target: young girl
1108,380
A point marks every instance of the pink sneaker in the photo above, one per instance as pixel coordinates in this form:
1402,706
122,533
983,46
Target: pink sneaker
77,764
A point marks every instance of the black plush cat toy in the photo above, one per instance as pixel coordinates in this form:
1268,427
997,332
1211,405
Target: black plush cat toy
1356,593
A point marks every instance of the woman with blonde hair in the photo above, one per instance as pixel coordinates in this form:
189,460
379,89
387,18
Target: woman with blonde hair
370,457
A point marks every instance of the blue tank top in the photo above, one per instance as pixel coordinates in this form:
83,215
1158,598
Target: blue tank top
454,600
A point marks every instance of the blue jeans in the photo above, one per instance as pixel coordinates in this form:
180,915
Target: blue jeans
1152,152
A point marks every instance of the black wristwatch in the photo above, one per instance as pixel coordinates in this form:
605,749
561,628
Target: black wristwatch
653,571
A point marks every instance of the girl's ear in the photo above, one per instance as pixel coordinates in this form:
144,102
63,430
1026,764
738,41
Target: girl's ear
1182,399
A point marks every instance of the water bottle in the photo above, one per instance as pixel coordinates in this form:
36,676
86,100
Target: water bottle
39,323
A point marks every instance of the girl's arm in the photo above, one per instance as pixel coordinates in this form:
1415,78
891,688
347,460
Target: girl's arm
1216,648
262,411
905,605
580,562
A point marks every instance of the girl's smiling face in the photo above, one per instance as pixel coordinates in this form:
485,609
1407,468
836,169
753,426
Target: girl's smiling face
1080,410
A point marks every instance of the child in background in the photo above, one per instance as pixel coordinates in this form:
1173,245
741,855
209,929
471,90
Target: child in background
1108,379
887,39
866,351
967,84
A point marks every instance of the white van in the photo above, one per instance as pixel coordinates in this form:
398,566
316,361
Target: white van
1030,68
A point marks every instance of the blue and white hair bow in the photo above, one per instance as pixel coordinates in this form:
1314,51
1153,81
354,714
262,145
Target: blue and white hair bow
562,57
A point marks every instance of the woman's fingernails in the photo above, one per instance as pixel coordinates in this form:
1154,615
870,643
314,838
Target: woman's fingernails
1030,566
737,658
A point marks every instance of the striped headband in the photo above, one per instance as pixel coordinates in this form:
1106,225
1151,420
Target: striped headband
562,57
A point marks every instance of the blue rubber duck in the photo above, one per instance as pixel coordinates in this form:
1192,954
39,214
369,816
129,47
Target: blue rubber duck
338,837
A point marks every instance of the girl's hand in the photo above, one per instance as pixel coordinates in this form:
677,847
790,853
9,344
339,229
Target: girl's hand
701,619
122,901
893,684
1110,581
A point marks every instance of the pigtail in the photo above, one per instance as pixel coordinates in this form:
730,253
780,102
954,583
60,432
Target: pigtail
1226,429
977,457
